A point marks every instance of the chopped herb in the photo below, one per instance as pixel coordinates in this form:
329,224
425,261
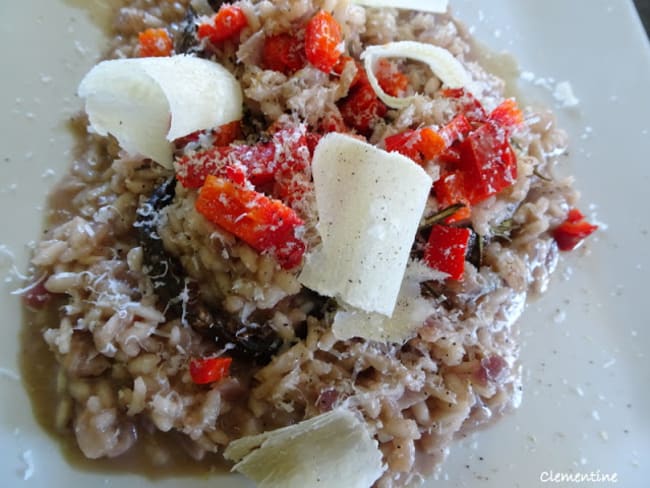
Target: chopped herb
441,215
475,250
186,40
503,229
540,175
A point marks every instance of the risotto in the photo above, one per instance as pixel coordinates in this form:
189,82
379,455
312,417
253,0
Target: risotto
351,249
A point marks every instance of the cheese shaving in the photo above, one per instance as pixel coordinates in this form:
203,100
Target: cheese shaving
148,102
411,311
320,451
433,6
369,205
443,64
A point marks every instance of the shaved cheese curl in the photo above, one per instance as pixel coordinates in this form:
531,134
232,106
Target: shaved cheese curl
443,64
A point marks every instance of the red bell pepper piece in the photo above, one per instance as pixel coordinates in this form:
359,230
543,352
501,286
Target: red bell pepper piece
229,21
265,224
406,143
573,231
487,161
284,53
390,79
456,129
450,189
466,104
323,41
420,145
227,133
507,116
222,135
209,370
432,143
482,165
263,164
479,161
359,77
154,43
361,108
446,248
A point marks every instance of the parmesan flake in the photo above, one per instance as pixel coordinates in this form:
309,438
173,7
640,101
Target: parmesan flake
148,102
443,64
322,451
410,313
369,205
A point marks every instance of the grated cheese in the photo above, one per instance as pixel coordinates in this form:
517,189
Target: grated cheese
564,95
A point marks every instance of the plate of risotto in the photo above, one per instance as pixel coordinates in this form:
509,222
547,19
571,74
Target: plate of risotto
318,243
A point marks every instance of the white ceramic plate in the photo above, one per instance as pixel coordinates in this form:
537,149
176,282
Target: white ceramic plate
585,343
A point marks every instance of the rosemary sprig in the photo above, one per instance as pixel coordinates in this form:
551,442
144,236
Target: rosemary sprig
503,229
540,175
441,215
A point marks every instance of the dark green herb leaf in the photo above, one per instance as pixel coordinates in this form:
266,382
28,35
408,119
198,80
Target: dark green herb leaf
441,215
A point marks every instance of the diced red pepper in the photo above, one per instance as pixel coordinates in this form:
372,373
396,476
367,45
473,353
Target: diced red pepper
284,53
420,145
481,165
450,189
265,224
359,77
154,43
227,133
312,141
456,129
192,169
573,231
209,370
293,157
479,161
446,248
405,143
361,108
390,79
264,163
223,135
466,104
237,173
257,161
507,115
323,41
488,162
432,144
228,22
